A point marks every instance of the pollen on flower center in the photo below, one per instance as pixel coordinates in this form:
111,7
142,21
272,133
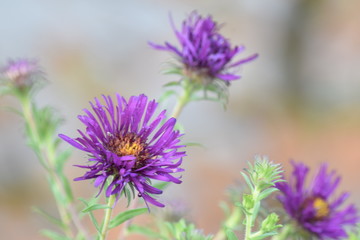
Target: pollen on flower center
129,144
322,208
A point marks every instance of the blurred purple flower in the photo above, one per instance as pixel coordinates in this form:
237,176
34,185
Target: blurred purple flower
126,145
21,72
312,208
204,52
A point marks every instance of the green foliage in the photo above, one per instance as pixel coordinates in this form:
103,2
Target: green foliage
260,178
124,216
180,230
53,235
355,234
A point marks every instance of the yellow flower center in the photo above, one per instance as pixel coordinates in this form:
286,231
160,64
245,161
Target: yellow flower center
129,144
322,208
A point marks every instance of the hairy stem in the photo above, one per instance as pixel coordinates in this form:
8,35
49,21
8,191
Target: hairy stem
183,99
46,154
107,217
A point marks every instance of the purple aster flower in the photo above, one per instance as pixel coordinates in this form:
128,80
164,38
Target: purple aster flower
129,145
21,73
204,52
314,207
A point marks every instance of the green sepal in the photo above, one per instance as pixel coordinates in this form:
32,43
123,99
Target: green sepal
53,235
173,70
124,216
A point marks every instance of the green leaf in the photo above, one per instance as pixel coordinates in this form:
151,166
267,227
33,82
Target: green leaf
248,181
145,231
194,144
166,95
262,236
92,217
267,192
60,198
230,235
225,207
50,218
53,235
94,207
61,160
124,216
174,70
174,83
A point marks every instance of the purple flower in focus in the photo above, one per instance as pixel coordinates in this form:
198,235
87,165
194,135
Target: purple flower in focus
314,208
204,52
21,72
128,144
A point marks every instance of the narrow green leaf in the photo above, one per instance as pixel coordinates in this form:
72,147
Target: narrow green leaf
67,187
230,235
248,181
262,236
194,144
267,192
61,160
92,217
144,231
50,218
170,84
166,95
53,235
94,207
124,216
225,207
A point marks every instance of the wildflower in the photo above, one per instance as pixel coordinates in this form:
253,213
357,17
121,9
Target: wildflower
129,148
206,55
21,73
312,208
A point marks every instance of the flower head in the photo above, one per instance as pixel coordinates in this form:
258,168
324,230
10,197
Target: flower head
21,73
129,146
313,208
205,54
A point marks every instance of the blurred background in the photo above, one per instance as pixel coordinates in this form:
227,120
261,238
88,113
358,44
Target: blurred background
299,100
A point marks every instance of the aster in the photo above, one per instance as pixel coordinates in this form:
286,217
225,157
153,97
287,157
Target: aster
205,54
20,75
128,145
314,208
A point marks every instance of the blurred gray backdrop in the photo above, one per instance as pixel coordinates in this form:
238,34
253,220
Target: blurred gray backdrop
299,100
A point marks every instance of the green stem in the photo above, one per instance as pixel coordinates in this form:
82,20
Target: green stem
183,99
252,214
107,218
230,223
248,227
46,154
